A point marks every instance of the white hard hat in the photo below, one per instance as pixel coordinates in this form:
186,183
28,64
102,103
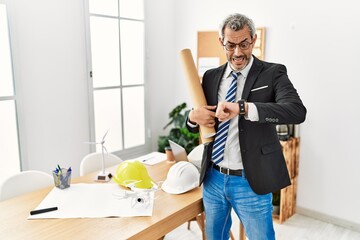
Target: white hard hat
182,177
195,156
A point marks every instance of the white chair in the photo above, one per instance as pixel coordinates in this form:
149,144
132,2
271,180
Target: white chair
92,162
195,156
24,182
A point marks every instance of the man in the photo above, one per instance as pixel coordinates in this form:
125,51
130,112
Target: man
244,164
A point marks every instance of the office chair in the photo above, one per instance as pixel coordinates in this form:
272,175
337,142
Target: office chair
92,162
195,157
24,182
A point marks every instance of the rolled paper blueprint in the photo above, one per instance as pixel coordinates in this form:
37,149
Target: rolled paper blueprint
196,91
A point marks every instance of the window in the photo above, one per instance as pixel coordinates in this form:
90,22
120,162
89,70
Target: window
9,144
116,69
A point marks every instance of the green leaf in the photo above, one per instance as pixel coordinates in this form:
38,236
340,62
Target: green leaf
163,142
179,133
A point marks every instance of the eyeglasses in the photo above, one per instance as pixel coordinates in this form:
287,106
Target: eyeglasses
244,45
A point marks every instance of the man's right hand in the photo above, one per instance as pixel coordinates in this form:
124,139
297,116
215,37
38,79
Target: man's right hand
204,116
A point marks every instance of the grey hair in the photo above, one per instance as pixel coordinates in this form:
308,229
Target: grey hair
236,22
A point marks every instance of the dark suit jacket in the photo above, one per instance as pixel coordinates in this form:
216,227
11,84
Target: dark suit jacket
277,103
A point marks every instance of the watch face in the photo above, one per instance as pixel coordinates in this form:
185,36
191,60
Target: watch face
242,107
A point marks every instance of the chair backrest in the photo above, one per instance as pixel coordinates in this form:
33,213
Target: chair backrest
24,182
195,156
92,162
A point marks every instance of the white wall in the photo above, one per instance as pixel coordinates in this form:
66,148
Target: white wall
49,58
160,64
318,42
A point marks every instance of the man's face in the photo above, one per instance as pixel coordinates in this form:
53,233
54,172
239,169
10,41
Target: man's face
239,46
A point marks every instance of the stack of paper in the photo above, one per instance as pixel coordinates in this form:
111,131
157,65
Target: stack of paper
95,200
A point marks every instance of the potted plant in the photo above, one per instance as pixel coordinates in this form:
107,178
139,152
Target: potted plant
179,133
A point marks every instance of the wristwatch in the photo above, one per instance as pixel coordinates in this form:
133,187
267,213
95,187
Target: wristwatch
242,111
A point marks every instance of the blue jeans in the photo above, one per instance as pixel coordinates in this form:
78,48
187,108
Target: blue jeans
223,192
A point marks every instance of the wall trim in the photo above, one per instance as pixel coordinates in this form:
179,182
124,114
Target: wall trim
328,218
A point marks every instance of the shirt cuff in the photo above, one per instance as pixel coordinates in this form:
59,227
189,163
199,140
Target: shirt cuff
252,114
191,125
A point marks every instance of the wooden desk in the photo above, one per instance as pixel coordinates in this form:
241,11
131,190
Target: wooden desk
170,211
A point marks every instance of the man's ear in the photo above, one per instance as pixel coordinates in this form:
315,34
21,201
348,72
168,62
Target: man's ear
254,39
220,41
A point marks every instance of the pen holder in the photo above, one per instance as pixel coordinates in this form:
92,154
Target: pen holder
62,179
169,154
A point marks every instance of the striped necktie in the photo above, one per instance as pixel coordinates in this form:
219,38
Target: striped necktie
221,134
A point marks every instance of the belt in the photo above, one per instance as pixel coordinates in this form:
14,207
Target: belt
227,171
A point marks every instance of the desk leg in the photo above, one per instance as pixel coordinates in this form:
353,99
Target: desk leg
201,222
242,232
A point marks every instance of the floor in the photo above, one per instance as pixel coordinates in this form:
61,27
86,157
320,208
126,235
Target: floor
298,227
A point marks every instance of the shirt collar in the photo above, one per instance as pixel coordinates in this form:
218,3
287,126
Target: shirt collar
244,71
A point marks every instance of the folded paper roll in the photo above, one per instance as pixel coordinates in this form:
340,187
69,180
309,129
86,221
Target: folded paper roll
196,91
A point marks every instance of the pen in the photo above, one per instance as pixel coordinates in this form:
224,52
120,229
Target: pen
59,168
146,159
43,210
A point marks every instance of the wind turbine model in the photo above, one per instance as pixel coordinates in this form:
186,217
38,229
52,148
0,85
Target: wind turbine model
103,176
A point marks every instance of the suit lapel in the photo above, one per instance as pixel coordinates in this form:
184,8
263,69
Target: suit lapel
251,78
217,78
